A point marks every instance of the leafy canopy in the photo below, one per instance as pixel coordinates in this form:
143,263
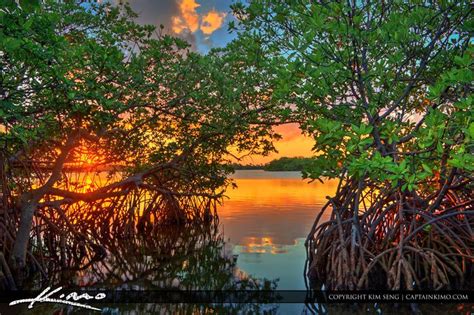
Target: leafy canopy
384,87
85,79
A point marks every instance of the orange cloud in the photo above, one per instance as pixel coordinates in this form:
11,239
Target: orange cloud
190,21
188,18
212,21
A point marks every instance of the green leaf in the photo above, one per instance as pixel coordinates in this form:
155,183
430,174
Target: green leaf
427,168
471,130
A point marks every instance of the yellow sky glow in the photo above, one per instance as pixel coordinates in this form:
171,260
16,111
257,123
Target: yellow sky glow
293,144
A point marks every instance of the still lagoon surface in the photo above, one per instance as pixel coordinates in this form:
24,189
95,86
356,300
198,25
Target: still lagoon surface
266,220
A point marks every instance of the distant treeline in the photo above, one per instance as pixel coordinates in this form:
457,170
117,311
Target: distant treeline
288,164
281,164
238,166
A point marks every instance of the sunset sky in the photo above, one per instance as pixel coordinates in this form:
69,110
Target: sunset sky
204,25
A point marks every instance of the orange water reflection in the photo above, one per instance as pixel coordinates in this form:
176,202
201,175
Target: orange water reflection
271,208
267,218
262,245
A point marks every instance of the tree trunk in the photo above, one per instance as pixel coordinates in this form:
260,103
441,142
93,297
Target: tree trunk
18,257
20,247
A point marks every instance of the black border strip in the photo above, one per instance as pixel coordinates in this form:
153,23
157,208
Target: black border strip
256,296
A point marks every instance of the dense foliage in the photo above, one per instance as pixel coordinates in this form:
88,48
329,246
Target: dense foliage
385,90
83,85
384,87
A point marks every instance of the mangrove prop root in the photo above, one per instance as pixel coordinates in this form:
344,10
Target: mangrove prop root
375,238
68,234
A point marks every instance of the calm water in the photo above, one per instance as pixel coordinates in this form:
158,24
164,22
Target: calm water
266,220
